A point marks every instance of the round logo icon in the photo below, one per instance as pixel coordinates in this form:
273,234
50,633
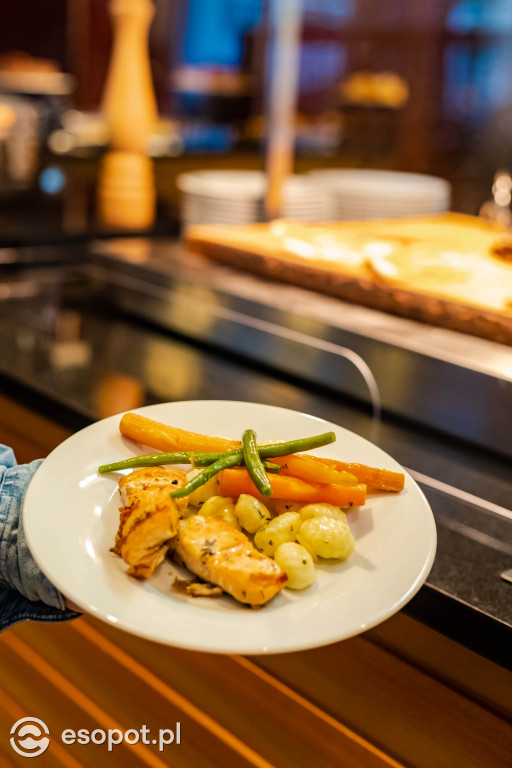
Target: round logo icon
28,737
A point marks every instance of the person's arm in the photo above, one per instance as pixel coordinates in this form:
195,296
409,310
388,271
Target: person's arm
25,592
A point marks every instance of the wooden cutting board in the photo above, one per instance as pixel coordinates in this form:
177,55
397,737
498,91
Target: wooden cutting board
451,270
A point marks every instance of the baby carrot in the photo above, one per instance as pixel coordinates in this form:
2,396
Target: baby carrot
166,438
233,482
304,467
378,479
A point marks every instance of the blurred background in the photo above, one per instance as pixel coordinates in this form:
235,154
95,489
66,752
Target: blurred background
139,117
423,87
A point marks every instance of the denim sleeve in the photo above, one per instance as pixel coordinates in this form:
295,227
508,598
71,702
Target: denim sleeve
25,592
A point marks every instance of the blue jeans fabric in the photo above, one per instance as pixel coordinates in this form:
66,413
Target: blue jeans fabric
25,592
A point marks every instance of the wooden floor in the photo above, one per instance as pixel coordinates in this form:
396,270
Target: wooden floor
400,695
356,703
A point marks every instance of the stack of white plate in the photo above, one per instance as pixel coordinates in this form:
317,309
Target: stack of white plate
236,197
305,199
369,194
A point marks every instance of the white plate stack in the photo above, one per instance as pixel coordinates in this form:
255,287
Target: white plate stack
305,199
371,194
236,197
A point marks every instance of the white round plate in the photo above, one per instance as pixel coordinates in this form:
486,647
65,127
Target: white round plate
71,515
358,180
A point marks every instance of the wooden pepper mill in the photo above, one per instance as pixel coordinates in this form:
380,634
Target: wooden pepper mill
126,186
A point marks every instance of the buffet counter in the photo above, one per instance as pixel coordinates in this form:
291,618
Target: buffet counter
82,340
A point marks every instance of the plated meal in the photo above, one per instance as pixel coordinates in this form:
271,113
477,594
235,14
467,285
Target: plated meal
204,519
303,532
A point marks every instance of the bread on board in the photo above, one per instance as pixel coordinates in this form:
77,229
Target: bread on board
451,270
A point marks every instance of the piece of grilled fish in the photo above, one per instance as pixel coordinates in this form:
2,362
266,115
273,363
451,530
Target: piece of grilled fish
149,518
133,484
215,551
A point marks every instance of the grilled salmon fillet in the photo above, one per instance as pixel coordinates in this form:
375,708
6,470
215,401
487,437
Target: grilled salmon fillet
148,519
131,485
215,551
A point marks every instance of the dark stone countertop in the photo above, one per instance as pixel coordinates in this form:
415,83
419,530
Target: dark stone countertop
67,354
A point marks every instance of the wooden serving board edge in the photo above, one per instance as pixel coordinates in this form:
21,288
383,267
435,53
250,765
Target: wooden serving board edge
424,308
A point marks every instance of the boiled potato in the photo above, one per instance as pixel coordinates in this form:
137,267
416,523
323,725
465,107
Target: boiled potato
322,510
297,563
280,529
222,506
279,506
204,492
251,513
307,546
328,537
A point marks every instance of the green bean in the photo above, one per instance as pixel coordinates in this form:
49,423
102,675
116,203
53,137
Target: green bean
235,458
206,474
271,450
253,463
183,457
150,460
206,458
271,467
196,458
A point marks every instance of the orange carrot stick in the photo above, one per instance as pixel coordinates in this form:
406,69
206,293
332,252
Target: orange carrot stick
169,439
233,482
378,479
300,465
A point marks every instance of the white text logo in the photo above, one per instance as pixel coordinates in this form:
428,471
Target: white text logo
114,736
